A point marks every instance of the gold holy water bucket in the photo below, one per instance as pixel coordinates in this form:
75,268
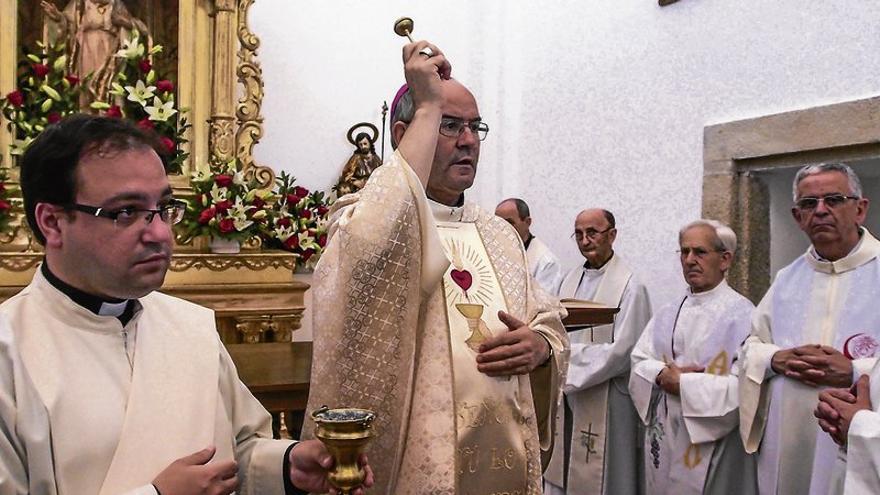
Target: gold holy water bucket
345,432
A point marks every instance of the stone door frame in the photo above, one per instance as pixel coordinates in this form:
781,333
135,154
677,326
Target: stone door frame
734,151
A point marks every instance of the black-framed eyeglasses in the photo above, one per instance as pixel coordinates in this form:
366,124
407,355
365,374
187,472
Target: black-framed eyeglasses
170,213
591,234
452,127
697,252
831,201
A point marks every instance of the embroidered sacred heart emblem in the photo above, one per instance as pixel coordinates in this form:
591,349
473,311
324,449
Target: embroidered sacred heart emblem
462,278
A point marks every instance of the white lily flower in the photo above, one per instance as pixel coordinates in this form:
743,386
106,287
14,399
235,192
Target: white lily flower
283,233
306,241
131,48
160,112
239,216
238,179
140,92
218,194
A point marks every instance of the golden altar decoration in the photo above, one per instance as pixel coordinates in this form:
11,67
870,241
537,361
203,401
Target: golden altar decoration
219,80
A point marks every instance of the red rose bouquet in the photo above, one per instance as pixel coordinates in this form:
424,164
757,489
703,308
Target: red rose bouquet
297,221
226,205
45,93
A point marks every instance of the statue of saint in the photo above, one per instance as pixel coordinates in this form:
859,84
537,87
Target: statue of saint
362,162
94,31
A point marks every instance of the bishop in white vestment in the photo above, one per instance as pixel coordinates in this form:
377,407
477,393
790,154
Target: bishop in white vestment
817,326
416,292
681,382
602,454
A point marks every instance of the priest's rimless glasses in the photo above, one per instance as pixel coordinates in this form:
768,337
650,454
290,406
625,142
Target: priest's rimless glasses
830,200
170,213
589,233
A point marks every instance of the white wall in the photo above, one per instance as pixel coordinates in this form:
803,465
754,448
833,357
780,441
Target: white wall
591,103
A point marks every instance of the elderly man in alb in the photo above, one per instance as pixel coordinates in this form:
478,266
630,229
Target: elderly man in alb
816,327
430,316
598,450
543,264
681,382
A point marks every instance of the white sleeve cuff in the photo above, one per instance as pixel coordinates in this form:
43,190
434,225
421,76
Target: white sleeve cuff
758,358
862,366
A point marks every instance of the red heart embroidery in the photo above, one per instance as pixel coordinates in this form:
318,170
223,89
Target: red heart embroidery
462,278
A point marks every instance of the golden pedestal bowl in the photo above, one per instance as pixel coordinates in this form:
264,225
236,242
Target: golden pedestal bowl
470,311
345,432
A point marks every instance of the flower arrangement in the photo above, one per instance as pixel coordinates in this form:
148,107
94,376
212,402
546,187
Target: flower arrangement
137,93
226,205
44,94
298,221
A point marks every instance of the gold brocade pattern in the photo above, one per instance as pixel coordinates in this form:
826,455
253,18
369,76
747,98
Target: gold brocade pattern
379,345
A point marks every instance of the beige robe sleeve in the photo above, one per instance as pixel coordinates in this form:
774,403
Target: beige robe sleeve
645,368
25,450
753,368
260,458
547,380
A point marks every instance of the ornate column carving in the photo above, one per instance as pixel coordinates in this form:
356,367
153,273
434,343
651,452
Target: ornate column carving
250,122
222,122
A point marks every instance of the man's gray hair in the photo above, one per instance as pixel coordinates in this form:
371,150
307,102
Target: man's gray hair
725,237
403,112
855,185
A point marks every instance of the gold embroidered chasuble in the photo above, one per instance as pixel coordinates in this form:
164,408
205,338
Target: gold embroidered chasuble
400,282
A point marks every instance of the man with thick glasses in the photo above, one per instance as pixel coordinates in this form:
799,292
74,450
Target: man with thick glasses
600,451
431,316
681,381
108,386
543,264
817,327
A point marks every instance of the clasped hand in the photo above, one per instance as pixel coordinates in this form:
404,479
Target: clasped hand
516,352
814,365
838,406
669,378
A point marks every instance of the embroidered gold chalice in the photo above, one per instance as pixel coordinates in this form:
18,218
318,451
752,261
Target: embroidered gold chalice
479,332
345,432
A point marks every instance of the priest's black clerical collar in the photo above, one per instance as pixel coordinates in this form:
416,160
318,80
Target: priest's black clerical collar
528,241
458,204
123,309
588,267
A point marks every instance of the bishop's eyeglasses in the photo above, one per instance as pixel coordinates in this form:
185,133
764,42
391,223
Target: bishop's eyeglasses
452,127
170,212
810,203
